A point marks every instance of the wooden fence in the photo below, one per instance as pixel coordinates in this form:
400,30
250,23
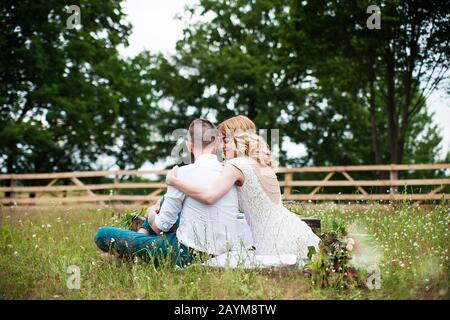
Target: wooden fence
52,191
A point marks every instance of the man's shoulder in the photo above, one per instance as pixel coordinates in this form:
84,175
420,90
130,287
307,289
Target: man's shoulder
193,168
186,169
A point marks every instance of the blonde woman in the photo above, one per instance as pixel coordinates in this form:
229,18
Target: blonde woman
276,231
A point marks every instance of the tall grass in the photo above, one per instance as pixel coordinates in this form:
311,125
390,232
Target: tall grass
37,247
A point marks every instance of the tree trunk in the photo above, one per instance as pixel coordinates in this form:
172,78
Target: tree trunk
373,118
402,138
391,108
408,85
9,169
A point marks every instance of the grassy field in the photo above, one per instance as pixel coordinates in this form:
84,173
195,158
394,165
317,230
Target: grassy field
37,247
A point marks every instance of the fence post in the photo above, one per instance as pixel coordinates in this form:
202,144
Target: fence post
393,175
12,185
287,185
116,183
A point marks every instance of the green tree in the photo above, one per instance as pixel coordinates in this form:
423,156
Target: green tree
314,70
229,65
389,71
67,98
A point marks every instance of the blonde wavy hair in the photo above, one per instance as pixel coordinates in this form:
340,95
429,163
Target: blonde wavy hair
248,143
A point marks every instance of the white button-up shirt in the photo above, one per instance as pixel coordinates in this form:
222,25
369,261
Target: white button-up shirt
215,228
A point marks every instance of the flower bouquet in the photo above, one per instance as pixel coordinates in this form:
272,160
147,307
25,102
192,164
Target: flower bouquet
330,266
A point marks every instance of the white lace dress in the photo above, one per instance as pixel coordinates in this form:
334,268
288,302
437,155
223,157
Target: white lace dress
280,236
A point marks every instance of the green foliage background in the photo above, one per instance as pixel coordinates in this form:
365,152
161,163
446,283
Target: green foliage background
67,98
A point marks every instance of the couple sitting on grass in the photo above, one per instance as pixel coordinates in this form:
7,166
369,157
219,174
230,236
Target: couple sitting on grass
200,219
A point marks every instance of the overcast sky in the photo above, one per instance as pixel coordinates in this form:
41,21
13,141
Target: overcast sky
156,29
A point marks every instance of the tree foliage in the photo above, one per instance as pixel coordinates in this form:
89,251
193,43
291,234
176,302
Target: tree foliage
312,69
67,97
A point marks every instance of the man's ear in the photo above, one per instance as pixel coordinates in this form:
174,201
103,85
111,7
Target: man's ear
216,145
189,145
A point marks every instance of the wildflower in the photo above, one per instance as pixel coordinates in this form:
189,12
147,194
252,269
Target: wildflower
350,244
16,253
34,235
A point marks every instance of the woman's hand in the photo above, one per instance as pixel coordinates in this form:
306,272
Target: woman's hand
171,176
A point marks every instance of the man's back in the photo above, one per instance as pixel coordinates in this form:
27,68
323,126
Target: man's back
208,228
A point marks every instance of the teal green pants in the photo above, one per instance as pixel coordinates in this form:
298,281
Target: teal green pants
152,248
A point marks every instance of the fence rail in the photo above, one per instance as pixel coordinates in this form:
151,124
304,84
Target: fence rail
15,191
